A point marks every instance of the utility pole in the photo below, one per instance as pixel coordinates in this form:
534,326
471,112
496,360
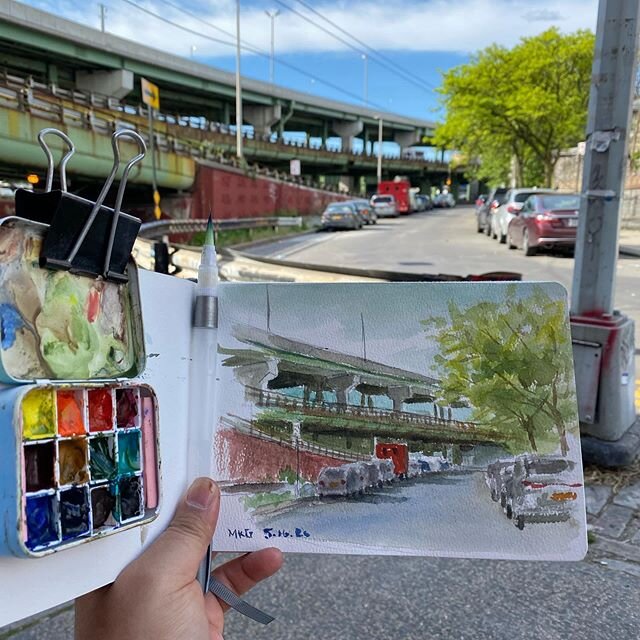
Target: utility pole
379,149
365,89
238,86
103,14
603,338
272,16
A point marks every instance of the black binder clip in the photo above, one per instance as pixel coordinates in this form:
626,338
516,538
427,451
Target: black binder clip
84,237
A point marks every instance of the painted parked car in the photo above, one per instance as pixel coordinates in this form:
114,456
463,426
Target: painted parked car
509,209
387,471
373,476
341,215
545,221
541,489
332,481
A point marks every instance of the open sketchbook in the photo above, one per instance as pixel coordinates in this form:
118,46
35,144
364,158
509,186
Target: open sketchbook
422,419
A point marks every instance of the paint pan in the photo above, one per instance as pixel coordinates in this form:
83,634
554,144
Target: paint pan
65,484
58,325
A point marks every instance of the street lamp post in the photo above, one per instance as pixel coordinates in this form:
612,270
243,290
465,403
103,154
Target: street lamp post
365,91
272,16
238,86
379,149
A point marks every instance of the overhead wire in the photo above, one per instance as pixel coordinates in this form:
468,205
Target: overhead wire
246,47
371,50
390,67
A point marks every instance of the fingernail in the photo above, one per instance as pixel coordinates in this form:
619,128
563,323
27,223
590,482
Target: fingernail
202,493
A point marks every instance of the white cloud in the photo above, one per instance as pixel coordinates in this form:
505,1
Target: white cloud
394,25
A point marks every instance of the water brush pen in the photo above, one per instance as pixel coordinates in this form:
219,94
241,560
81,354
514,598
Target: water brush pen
202,376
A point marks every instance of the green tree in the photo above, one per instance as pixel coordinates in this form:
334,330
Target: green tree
512,363
513,110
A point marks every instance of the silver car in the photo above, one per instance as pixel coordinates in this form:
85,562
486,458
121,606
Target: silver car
509,209
384,206
341,215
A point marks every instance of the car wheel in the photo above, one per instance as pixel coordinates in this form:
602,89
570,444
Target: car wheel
527,248
502,238
494,495
478,227
520,522
487,228
510,242
509,512
503,500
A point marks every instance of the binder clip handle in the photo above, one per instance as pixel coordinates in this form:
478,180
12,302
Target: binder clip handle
50,161
121,133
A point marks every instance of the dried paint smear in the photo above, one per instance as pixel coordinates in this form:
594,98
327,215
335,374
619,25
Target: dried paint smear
58,325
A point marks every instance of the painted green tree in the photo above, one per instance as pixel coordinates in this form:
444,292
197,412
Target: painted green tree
512,363
509,112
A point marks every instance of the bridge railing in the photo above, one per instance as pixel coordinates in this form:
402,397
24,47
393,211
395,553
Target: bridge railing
104,113
269,398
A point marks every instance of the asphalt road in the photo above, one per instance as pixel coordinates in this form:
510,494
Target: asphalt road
442,241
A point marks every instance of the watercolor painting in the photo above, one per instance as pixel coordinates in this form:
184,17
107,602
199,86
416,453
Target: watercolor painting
56,325
400,418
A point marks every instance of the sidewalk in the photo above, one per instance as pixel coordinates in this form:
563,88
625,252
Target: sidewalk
630,242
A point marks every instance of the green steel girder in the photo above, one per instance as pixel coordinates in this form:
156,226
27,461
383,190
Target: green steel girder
93,157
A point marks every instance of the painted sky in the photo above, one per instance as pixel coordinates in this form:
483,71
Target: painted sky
329,315
423,37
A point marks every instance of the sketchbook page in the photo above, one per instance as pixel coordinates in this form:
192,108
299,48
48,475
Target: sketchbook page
31,585
434,419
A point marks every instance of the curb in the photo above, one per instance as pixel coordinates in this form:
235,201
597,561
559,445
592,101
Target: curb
612,454
629,250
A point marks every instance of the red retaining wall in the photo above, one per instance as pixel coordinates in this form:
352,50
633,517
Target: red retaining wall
255,460
229,193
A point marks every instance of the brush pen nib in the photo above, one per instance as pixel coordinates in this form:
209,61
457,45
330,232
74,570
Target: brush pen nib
208,238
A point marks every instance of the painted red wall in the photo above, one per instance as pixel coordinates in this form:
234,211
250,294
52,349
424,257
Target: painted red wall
250,459
229,193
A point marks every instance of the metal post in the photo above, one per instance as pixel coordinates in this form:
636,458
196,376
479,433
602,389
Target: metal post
603,339
605,156
238,86
152,151
379,149
272,16
365,89
103,12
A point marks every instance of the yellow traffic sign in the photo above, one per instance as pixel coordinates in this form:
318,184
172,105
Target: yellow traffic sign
157,212
156,197
150,93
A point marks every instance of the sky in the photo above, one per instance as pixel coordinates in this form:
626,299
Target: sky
410,41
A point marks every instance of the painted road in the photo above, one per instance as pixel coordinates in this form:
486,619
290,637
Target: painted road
448,513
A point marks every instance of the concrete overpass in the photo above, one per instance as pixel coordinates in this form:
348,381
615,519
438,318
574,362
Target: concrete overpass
60,53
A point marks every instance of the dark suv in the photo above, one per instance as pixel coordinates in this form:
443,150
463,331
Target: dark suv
484,212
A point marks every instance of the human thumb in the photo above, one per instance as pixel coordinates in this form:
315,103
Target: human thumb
179,550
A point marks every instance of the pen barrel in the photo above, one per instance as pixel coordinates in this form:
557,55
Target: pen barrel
205,313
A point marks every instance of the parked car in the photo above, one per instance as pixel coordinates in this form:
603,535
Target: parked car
545,221
508,210
444,201
341,215
387,470
332,481
365,210
384,206
424,202
373,477
537,488
484,212
480,200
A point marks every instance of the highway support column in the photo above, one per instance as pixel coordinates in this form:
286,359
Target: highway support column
603,338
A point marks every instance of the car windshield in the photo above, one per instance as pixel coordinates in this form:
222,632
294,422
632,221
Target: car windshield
548,467
382,199
339,208
560,202
521,197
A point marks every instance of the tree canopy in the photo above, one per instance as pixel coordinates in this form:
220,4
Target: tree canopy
510,111
512,362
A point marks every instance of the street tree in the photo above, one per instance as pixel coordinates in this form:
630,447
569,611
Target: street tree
511,111
511,362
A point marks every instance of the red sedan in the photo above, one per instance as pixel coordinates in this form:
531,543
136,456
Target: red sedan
545,221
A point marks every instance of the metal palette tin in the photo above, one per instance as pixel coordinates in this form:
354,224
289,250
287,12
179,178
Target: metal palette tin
78,462
58,325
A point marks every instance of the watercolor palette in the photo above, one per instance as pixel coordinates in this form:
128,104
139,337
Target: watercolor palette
58,325
87,463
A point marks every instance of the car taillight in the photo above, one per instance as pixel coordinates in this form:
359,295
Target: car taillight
495,204
547,217
343,481
533,485
562,496
513,208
